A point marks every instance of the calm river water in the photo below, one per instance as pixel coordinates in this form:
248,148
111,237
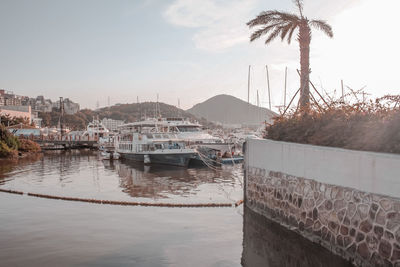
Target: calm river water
47,232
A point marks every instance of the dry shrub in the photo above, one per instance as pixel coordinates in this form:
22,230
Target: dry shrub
361,125
28,146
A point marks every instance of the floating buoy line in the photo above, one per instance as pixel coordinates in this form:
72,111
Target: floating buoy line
126,203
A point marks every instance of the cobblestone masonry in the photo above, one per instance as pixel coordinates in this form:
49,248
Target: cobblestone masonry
359,226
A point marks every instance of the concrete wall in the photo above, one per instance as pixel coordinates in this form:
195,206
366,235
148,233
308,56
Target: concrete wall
346,200
367,171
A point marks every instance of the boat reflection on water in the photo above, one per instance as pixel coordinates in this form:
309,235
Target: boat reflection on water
268,244
83,174
164,181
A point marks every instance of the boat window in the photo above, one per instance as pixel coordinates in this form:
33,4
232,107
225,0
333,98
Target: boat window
157,135
174,145
158,146
188,128
165,136
149,136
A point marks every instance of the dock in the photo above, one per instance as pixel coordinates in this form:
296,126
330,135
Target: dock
64,142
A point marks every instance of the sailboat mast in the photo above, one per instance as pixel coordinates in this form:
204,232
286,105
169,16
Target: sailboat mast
258,108
258,100
284,96
269,90
248,86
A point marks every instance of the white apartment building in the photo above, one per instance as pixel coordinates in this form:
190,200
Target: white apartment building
111,124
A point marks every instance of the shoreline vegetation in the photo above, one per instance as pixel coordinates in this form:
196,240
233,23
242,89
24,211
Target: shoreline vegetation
12,147
368,125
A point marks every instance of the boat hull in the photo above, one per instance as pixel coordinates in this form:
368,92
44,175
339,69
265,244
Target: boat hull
175,159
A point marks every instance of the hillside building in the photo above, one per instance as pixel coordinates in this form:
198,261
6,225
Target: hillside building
69,106
8,98
17,112
111,124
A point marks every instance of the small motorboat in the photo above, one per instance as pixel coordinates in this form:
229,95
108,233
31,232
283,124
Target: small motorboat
105,155
109,156
232,160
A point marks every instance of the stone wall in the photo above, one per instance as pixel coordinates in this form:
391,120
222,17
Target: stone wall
361,226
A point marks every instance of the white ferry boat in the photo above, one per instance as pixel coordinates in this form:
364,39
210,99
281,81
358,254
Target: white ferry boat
95,130
194,135
142,141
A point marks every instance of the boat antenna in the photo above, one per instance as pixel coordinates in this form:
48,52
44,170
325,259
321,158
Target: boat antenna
158,110
61,118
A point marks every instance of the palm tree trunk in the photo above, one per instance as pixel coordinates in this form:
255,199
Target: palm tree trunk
304,41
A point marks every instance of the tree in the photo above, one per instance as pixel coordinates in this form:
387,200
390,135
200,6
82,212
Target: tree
277,23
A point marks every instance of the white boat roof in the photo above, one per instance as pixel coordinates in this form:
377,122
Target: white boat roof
145,123
152,122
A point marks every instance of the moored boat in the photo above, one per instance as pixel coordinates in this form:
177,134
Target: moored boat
140,141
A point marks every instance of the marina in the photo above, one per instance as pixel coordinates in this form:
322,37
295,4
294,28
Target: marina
180,133
171,141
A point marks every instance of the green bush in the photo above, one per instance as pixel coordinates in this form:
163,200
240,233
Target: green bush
6,152
10,140
10,144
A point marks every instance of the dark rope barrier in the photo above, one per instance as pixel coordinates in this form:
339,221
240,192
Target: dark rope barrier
124,203
11,191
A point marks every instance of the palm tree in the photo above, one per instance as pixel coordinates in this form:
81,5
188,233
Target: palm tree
276,23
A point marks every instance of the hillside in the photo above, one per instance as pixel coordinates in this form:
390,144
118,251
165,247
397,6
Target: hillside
227,109
125,112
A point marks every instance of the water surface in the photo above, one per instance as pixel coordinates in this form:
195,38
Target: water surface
48,232
82,173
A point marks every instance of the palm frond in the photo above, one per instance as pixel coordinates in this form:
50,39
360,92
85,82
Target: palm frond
257,34
285,30
323,26
274,34
289,39
273,16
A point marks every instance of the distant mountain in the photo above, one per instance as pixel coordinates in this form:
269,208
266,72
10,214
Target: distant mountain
126,112
229,110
